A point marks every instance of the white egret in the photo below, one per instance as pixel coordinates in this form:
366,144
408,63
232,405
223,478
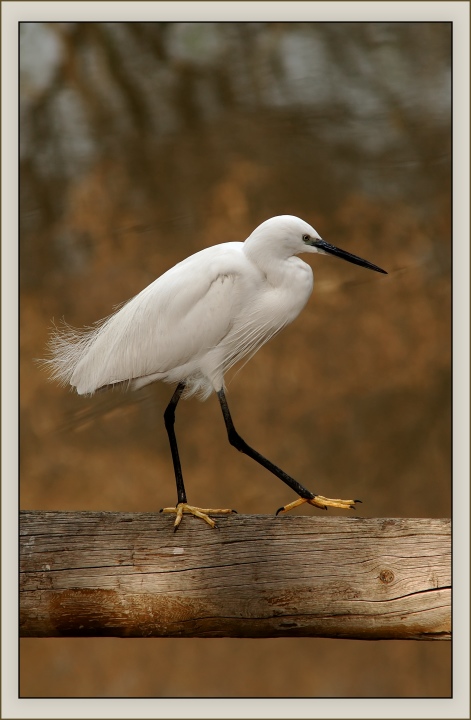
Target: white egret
193,323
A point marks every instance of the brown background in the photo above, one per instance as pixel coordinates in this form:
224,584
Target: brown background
142,143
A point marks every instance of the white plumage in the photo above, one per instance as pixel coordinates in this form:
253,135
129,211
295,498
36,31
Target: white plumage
198,318
195,321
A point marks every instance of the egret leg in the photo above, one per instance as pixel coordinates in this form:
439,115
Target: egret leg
169,419
305,496
182,504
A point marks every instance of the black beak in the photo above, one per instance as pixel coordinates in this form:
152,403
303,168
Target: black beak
332,250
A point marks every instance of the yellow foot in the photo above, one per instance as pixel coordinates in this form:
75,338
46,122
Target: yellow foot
321,502
197,512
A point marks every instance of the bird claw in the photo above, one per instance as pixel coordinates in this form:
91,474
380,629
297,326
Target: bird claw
201,513
321,502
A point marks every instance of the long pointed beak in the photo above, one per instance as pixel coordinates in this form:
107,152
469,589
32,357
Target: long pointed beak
325,247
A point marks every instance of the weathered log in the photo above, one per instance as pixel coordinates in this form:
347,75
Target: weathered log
130,575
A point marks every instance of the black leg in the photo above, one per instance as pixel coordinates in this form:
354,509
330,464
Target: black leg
169,418
240,444
182,504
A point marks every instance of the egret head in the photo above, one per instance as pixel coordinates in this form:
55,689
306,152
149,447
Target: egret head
282,236
287,235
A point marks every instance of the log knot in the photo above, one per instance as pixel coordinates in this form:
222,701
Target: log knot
386,576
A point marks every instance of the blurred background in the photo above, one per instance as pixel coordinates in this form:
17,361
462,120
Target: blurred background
144,142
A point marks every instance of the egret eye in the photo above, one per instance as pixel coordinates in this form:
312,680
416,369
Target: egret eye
306,238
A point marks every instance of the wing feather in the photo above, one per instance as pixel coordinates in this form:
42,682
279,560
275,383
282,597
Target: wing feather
184,313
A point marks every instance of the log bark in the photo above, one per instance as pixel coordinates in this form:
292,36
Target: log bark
130,575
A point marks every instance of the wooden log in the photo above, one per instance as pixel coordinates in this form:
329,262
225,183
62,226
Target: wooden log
130,575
